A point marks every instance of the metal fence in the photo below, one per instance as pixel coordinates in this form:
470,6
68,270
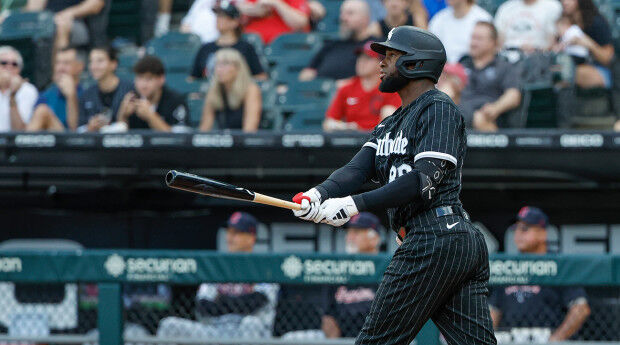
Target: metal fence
174,297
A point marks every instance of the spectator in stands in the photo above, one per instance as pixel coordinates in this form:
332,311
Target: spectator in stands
234,99
348,305
57,108
358,104
69,18
17,96
453,81
397,14
229,310
229,27
152,105
336,60
493,87
454,25
596,38
100,103
200,20
528,25
562,309
568,32
272,18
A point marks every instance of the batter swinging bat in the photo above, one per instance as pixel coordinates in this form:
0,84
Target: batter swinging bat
206,186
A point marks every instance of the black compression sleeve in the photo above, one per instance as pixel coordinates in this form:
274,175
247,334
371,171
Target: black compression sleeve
350,177
402,190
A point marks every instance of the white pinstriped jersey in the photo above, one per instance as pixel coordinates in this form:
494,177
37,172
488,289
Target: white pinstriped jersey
429,127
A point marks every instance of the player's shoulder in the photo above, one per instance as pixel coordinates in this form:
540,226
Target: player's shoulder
428,99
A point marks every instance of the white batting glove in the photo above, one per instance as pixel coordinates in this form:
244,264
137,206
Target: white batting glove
337,211
309,208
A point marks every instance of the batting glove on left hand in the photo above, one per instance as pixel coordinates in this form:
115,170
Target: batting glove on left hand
337,211
310,202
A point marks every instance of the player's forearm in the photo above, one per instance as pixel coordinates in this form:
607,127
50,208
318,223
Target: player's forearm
403,190
348,179
576,316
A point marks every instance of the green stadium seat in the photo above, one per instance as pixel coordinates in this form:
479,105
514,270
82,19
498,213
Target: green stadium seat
268,93
32,33
14,4
296,46
306,119
176,50
181,84
287,71
540,103
195,110
331,22
271,119
307,93
259,47
125,20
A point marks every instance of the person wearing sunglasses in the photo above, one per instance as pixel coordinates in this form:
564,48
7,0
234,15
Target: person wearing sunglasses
17,96
561,311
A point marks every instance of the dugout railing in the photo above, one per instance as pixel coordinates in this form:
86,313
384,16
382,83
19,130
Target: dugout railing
109,297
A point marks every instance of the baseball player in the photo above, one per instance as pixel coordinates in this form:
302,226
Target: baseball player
441,269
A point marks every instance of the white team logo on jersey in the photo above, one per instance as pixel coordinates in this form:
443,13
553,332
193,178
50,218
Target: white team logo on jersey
387,146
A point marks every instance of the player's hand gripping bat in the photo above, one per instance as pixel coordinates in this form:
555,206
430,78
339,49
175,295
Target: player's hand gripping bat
206,186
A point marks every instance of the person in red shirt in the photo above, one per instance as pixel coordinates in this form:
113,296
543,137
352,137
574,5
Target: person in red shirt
271,18
358,104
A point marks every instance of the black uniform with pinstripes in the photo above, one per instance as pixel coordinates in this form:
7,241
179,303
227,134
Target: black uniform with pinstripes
441,270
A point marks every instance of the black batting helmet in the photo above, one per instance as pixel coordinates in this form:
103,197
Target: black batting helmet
418,46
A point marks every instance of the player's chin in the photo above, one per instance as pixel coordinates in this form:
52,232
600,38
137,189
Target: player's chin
392,83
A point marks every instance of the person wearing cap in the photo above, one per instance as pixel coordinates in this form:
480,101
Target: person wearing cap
358,104
494,84
348,305
228,25
229,310
562,310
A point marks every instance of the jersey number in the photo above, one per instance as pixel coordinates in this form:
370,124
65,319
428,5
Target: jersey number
398,172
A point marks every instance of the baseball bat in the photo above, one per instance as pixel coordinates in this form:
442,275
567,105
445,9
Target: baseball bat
206,186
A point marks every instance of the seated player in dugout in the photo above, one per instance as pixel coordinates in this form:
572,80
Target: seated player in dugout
152,104
358,104
562,310
229,310
348,304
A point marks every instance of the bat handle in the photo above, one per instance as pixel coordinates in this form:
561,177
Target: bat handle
268,200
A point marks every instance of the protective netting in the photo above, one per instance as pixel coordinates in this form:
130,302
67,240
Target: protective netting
206,312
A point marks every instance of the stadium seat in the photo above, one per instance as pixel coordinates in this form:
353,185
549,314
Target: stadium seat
32,33
259,47
125,20
16,4
195,110
298,46
180,83
268,93
176,50
287,71
540,104
331,22
271,119
307,93
306,119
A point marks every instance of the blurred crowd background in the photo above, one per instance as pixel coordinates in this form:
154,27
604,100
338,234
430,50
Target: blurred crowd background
177,65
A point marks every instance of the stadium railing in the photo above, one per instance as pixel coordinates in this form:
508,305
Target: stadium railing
91,296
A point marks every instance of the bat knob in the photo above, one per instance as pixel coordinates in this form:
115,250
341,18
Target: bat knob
170,176
299,197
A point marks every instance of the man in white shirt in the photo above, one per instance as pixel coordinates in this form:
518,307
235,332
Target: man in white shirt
200,20
454,25
528,25
17,96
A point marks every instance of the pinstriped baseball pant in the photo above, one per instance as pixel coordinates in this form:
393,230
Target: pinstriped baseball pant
439,274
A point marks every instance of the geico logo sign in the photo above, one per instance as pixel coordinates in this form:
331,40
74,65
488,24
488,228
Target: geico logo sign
45,140
523,267
581,140
303,140
129,140
487,140
10,264
215,140
154,265
339,267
